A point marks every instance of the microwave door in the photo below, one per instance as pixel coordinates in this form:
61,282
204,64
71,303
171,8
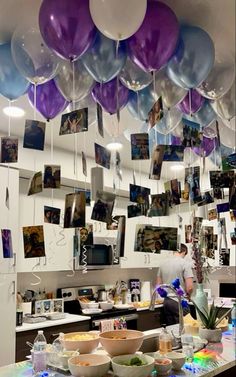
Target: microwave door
97,255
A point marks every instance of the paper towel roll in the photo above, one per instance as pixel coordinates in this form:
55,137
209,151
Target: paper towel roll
145,291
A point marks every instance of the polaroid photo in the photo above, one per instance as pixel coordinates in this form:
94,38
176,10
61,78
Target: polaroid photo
224,257
192,137
136,210
192,184
152,239
47,306
84,164
39,307
74,122
7,243
207,198
233,238
167,187
139,194
100,120
159,205
52,215
114,223
175,191
232,215
188,234
52,176
206,240
156,162
9,149
36,184
86,235
102,156
34,135
74,215
173,153
156,113
58,305
103,206
197,224
139,146
222,207
221,179
227,156
33,238
87,194
212,214
218,193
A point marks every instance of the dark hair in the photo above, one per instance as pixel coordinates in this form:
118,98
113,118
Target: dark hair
183,249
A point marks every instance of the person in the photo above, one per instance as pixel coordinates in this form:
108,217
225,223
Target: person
34,136
168,271
35,248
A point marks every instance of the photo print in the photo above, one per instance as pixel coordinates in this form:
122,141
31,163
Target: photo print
114,222
221,179
197,224
222,207
9,149
192,184
212,214
33,238
232,215
38,307
120,239
52,176
136,210
207,198
232,197
228,158
139,194
74,122
231,160
188,234
192,137
233,237
153,239
167,187
58,305
156,162
84,164
34,135
159,205
175,191
102,156
100,120
47,306
139,146
173,153
52,215
74,210
156,113
87,194
103,207
215,243
218,193
86,235
206,241
36,184
224,257
7,243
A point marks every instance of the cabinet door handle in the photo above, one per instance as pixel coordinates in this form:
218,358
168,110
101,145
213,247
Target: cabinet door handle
149,259
14,260
145,259
14,287
45,261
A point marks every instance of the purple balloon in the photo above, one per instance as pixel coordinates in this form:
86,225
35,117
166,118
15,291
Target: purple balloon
49,101
106,95
67,27
155,41
176,140
207,146
196,102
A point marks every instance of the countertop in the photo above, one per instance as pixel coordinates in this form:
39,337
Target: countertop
70,318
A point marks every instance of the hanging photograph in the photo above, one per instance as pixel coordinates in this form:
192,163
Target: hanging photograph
224,257
102,156
34,135
74,122
100,120
87,195
212,214
86,235
173,153
231,160
192,184
159,205
139,146
207,198
188,234
192,137
218,193
52,176
139,194
197,224
9,149
156,162
74,216
232,215
118,166
167,187
232,197
222,179
228,158
136,210
175,191
84,164
152,239
7,243
33,238
52,215
233,237
114,222
222,207
206,241
36,184
156,113
103,207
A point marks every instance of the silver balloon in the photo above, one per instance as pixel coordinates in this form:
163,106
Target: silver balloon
178,131
230,123
209,132
133,77
189,157
170,120
83,82
90,104
225,106
171,93
227,135
220,78
205,116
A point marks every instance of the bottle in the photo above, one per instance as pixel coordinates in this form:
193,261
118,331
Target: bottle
19,310
165,341
40,356
128,297
233,320
57,348
188,346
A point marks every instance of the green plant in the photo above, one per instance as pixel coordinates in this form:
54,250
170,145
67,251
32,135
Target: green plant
210,320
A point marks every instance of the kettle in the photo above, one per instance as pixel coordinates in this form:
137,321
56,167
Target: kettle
102,295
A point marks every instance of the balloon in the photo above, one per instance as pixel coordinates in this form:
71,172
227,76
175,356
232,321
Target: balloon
230,123
12,84
103,61
170,120
83,82
118,19
155,41
209,132
189,107
171,93
133,77
32,57
49,101
189,157
106,95
140,103
112,126
225,106
155,138
227,135
220,79
206,147
67,27
178,131
205,116
90,104
193,59
175,140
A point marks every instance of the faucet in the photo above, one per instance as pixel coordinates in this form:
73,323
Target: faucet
181,316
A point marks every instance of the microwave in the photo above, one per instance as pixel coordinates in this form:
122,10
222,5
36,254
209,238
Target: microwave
98,256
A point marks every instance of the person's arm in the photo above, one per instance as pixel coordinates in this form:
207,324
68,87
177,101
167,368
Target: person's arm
159,280
189,286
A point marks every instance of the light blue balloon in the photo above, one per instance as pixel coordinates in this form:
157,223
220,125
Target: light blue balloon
141,103
155,138
103,60
205,116
12,84
194,58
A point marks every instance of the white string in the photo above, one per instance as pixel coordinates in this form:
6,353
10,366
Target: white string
35,104
52,158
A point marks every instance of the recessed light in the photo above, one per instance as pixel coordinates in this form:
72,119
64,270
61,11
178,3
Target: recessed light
114,146
177,167
13,111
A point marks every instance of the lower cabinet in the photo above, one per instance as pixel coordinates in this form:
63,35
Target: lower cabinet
51,333
148,320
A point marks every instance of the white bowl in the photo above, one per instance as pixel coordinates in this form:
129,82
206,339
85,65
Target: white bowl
78,341
178,359
64,357
121,342
88,305
162,369
132,371
105,305
99,365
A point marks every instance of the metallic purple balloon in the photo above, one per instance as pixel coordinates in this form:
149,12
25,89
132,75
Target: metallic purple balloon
207,146
67,27
49,101
196,102
175,140
155,41
106,95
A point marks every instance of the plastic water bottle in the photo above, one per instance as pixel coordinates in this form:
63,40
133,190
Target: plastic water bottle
233,320
40,356
57,348
188,346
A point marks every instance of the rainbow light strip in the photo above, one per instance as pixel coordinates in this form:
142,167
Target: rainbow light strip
23,369
205,356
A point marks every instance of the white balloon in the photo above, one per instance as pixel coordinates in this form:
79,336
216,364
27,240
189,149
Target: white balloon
112,126
118,19
189,157
227,135
230,123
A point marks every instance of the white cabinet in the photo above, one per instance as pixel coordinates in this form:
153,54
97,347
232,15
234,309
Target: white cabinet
9,181
7,318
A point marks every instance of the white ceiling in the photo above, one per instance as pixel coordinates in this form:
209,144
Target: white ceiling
217,17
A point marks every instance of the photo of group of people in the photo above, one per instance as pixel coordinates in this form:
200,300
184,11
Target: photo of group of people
102,156
197,224
152,239
173,153
159,205
192,137
139,146
34,135
221,179
139,194
52,215
36,184
136,210
103,207
156,162
156,113
33,238
7,243
192,184
9,149
52,176
206,198
74,210
74,122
